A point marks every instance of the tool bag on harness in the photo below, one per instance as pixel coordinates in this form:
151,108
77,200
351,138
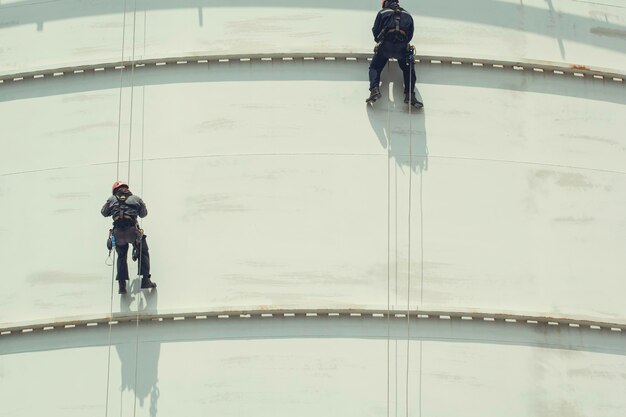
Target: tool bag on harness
398,27
125,236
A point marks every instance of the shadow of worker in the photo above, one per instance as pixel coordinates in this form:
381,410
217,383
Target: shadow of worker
400,129
144,377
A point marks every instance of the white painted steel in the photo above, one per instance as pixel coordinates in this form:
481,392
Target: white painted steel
267,182
270,205
578,32
316,366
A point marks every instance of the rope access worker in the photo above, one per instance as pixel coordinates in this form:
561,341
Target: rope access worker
124,207
393,30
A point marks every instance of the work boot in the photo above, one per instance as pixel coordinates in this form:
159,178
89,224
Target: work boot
414,101
374,95
146,283
122,284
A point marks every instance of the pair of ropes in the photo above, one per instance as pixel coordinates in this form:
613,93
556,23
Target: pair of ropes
408,299
130,141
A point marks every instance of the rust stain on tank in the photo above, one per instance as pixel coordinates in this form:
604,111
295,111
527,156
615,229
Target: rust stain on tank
580,67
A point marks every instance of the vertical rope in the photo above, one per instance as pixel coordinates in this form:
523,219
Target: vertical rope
421,277
132,90
143,106
388,247
137,344
422,236
396,274
130,141
421,359
117,176
106,407
119,112
408,290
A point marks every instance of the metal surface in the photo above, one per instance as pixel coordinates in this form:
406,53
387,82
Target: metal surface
581,32
148,316
270,185
518,65
315,366
263,205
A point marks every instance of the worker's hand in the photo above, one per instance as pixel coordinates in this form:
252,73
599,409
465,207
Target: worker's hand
410,53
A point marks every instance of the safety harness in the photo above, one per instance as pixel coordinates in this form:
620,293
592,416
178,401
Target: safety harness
122,216
397,35
122,220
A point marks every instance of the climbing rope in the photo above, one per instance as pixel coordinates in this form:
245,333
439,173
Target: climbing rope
408,289
388,248
421,273
106,410
119,106
132,91
128,180
117,176
130,142
396,278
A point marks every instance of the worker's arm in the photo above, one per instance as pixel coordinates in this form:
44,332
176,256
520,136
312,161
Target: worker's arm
377,28
108,206
409,35
143,210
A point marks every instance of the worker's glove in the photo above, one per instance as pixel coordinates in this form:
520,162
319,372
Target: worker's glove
377,47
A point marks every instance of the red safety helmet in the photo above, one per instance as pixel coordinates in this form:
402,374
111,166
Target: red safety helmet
118,184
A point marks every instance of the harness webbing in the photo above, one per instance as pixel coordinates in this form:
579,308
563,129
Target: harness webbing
397,17
121,215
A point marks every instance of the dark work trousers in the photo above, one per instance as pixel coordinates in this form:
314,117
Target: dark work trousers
144,259
398,51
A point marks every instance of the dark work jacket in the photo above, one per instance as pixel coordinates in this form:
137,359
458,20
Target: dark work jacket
383,19
134,207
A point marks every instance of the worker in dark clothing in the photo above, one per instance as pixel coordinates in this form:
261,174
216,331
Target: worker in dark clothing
125,207
393,30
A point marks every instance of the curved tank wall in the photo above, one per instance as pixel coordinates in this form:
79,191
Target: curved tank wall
286,218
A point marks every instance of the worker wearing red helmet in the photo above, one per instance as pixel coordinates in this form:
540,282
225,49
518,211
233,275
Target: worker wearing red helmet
124,208
393,30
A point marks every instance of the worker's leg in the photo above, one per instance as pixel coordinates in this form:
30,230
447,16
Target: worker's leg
408,74
143,268
122,265
376,68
